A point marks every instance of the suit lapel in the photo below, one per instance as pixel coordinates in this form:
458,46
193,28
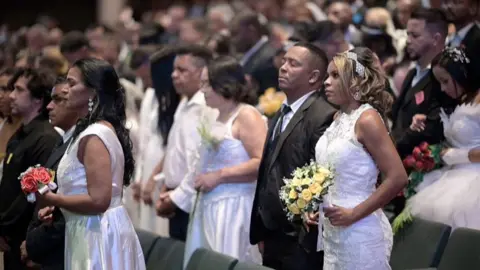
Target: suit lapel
56,155
297,117
266,147
420,86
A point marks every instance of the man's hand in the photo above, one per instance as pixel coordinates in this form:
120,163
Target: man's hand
23,251
165,206
148,191
3,245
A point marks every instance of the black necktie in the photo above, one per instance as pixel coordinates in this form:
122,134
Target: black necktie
278,129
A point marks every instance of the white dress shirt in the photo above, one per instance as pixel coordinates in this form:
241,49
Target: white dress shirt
68,134
456,39
181,153
293,109
420,74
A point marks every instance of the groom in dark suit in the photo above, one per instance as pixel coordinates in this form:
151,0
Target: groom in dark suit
44,244
291,140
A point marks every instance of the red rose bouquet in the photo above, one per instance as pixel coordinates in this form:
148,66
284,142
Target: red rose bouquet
37,179
424,158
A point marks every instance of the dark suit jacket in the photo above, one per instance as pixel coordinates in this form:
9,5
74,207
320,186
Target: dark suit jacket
260,66
46,242
471,45
295,148
406,106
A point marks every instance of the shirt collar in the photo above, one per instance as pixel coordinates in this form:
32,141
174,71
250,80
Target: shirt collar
464,31
68,134
419,70
197,99
299,102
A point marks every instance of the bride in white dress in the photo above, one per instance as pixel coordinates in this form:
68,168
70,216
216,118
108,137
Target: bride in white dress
356,232
451,195
97,164
228,179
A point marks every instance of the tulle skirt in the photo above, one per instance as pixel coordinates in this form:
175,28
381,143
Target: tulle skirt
450,195
102,242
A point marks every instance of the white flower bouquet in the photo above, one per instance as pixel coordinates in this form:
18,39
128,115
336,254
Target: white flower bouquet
304,192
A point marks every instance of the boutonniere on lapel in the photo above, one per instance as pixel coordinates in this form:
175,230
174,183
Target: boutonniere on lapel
37,179
9,158
419,97
270,102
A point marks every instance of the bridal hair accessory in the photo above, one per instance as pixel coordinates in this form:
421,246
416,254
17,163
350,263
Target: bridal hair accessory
359,67
457,55
90,105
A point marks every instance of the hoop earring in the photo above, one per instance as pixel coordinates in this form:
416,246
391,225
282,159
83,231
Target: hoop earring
90,105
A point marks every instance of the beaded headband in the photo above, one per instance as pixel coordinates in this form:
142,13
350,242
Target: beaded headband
359,67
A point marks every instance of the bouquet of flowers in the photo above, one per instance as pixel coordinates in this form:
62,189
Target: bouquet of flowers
423,159
304,192
211,131
270,102
37,179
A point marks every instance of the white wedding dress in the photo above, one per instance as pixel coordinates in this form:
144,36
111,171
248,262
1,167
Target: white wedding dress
221,221
451,195
105,241
366,244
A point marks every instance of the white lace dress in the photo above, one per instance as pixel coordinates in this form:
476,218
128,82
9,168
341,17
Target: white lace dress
366,244
451,195
105,241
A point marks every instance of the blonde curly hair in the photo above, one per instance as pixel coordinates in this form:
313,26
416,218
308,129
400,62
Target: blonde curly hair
369,88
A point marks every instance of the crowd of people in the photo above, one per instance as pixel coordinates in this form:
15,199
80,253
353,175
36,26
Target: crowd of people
159,124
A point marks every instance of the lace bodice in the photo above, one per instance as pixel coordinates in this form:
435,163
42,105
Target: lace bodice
462,128
356,172
367,243
71,173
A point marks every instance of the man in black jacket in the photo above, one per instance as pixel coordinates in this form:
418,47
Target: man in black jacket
44,243
32,144
292,136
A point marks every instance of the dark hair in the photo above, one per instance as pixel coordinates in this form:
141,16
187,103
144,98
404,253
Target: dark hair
201,53
459,69
318,54
73,41
60,80
40,84
7,72
322,31
109,105
227,78
435,19
223,42
161,67
140,56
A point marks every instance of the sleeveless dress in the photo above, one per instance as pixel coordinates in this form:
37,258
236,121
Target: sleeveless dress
105,241
451,195
221,221
366,244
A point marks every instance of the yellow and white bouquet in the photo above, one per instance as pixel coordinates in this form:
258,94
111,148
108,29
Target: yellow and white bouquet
304,192
271,101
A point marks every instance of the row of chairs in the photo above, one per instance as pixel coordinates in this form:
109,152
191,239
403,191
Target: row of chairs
430,245
167,254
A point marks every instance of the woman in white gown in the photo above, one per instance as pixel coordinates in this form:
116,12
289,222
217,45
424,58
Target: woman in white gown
227,177
451,195
356,232
91,175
